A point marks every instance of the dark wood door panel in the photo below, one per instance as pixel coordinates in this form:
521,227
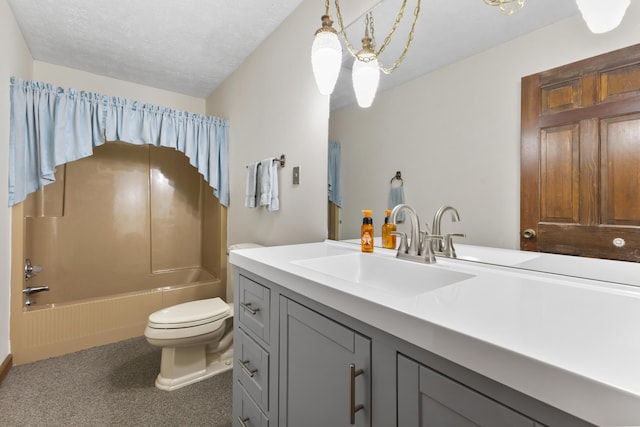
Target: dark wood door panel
589,241
560,174
619,83
620,154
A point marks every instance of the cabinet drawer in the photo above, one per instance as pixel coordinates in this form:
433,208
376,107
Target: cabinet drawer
252,364
254,308
249,414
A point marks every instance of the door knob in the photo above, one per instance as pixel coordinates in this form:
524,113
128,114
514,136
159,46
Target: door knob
529,233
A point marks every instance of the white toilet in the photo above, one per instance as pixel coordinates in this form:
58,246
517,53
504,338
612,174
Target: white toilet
196,338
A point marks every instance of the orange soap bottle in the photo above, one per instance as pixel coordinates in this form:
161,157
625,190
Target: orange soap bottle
366,234
388,239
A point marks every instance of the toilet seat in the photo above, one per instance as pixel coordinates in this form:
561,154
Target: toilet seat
190,314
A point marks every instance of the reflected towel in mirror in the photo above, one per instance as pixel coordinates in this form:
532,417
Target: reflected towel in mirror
396,197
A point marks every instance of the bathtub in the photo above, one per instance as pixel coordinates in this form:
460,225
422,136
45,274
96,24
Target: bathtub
52,329
119,235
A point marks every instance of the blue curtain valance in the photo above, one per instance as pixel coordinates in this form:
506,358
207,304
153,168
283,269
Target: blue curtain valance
50,126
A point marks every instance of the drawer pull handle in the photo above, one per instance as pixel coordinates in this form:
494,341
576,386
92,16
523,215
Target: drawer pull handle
243,421
352,393
249,308
249,371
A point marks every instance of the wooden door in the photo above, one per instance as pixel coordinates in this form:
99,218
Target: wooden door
580,158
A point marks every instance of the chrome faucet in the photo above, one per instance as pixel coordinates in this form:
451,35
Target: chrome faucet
445,246
419,247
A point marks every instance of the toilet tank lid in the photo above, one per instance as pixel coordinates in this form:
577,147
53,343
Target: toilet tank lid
192,311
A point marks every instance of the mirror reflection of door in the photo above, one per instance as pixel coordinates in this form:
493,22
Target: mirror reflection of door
334,185
334,221
580,158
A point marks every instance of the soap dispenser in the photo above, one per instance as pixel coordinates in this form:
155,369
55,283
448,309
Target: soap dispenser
366,234
388,239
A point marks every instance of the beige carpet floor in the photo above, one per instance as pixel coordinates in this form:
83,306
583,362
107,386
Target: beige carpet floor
111,385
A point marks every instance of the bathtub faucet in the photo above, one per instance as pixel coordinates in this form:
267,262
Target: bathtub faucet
32,290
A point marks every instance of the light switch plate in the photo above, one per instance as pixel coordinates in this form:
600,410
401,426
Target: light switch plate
296,175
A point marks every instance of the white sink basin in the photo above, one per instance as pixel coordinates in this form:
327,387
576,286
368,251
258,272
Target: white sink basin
390,275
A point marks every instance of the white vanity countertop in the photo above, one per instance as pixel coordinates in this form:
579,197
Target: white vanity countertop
572,343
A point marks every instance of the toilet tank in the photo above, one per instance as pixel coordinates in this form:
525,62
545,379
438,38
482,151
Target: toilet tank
230,267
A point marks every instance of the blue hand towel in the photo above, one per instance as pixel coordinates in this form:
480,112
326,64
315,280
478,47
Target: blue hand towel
396,197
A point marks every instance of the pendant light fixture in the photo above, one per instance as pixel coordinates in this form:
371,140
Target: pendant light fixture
366,70
602,16
326,55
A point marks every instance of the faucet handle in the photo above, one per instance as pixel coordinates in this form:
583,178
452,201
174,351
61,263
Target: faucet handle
424,241
427,253
403,248
449,250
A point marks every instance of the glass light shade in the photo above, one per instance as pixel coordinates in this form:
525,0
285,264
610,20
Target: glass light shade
326,59
366,76
602,15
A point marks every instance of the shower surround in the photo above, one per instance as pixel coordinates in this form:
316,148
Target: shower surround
120,234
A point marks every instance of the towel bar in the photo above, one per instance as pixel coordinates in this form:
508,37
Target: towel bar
282,160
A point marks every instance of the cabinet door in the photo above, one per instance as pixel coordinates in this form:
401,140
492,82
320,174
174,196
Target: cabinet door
320,362
428,399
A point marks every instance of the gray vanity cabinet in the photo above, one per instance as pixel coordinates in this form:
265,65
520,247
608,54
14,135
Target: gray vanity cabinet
324,370
301,363
429,399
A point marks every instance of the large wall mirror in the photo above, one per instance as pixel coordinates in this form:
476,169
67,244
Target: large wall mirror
453,127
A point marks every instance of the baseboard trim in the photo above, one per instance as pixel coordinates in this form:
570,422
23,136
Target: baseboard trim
4,368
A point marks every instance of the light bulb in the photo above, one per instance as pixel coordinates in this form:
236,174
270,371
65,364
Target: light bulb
326,59
366,76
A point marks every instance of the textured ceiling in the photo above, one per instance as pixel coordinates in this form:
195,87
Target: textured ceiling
190,46
185,46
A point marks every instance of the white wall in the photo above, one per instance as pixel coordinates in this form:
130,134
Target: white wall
16,61
455,134
81,80
274,108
